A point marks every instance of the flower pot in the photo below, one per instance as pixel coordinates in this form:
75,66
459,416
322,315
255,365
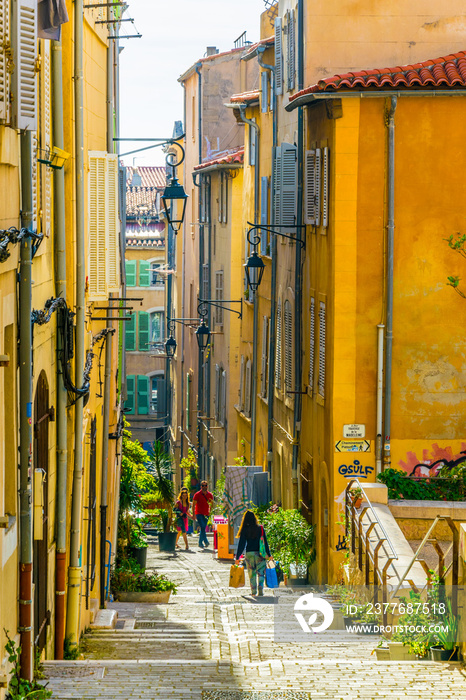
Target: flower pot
399,652
167,541
382,654
143,596
357,502
441,654
140,554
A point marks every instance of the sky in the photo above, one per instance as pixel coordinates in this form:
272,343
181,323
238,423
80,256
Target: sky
175,34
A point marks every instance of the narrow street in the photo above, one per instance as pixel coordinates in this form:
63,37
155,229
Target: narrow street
212,642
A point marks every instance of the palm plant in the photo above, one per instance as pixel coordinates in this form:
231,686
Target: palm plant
160,468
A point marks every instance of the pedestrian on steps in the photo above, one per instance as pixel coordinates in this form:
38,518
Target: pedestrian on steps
252,537
182,507
201,509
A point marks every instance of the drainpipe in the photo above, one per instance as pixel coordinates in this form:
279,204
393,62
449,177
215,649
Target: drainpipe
104,479
200,357
183,291
298,272
389,301
74,570
25,414
379,411
273,311
110,63
252,125
62,397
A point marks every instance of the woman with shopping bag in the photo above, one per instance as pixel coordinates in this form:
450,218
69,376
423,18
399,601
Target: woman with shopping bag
252,537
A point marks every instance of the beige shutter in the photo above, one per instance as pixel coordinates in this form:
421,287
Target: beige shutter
278,346
312,323
325,188
46,173
97,227
24,85
288,319
34,168
318,182
265,323
4,73
322,331
113,225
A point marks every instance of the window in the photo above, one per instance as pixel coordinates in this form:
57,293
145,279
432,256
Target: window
252,144
247,390
157,395
205,281
241,384
325,177
143,395
130,333
129,403
223,398
223,198
143,331
218,312
265,243
188,400
4,73
144,273
312,322
312,187
157,327
285,176
156,279
23,79
278,349
322,329
288,318
265,356
265,91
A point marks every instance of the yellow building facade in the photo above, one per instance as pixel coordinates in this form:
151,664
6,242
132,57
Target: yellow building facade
68,478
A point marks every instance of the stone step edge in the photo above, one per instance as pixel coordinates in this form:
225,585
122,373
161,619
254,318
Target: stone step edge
253,664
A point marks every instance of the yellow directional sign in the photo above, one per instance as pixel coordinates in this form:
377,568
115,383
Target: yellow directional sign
353,446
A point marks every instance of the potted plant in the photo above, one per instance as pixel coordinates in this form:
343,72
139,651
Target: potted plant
129,583
291,542
160,468
137,545
356,496
446,648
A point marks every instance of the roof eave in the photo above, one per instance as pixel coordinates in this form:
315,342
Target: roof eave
219,166
313,97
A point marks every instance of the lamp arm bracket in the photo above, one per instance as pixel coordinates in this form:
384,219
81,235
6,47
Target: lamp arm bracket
202,311
254,238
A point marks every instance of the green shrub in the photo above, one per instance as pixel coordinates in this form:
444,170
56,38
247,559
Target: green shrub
290,537
129,577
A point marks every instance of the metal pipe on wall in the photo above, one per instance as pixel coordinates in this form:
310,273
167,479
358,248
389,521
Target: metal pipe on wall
389,300
104,478
74,570
252,125
379,409
26,620
62,397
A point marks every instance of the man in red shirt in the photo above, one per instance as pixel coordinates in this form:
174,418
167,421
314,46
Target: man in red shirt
201,509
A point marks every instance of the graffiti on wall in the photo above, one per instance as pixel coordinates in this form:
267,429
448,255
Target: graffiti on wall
356,469
432,460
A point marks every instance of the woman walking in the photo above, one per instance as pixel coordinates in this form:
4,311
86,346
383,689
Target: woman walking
182,509
250,535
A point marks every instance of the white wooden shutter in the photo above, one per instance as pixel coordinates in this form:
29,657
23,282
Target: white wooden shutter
276,185
24,85
322,331
265,323
312,187
288,318
278,57
312,331
35,184
278,347
289,187
4,73
97,240
113,225
325,176
241,384
291,50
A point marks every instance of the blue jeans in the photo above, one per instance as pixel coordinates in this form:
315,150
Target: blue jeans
202,520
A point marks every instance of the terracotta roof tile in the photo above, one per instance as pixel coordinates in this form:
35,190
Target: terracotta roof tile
251,50
235,155
245,97
444,72
153,179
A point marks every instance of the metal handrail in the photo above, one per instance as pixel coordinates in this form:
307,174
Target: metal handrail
366,498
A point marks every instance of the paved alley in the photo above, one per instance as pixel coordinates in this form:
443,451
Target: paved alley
215,643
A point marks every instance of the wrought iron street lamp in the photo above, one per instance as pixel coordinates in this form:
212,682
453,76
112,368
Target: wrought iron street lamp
173,193
254,271
203,335
254,266
170,347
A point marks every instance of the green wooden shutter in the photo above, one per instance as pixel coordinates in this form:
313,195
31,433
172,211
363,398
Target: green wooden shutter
130,333
130,267
143,330
129,403
143,395
144,273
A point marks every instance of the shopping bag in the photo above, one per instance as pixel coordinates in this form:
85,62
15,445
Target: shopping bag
262,550
236,576
271,579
